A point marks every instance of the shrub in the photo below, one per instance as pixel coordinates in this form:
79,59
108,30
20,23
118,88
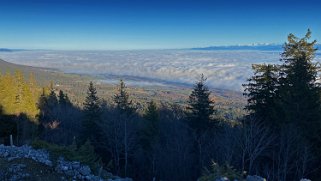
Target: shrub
84,154
218,171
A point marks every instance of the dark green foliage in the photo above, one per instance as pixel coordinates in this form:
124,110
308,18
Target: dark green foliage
201,108
63,99
92,116
200,116
52,97
46,105
218,172
299,88
91,104
126,116
288,97
92,124
122,101
288,93
85,153
54,150
262,93
59,119
150,131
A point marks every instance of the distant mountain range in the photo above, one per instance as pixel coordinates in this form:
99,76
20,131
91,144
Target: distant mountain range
257,47
10,50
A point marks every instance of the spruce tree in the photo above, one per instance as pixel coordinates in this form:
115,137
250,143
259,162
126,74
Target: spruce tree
86,154
150,131
201,108
300,91
52,97
121,99
262,93
46,104
126,110
63,99
200,115
92,116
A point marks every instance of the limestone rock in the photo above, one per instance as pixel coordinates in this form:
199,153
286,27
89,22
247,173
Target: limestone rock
254,178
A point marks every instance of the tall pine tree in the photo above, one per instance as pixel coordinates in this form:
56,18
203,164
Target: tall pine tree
300,91
63,99
150,131
200,115
200,110
92,117
126,110
262,93
121,99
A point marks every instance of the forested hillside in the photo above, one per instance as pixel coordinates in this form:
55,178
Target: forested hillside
275,135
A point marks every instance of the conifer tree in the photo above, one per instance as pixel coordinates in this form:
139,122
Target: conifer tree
151,126
201,108
44,113
287,96
92,116
300,91
47,103
52,97
127,110
63,99
121,99
262,93
87,155
200,115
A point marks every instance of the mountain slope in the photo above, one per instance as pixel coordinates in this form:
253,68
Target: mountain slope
43,75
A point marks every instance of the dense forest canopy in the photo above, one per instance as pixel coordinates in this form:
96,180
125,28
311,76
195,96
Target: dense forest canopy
278,138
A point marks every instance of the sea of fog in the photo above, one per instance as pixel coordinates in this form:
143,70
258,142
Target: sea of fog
224,69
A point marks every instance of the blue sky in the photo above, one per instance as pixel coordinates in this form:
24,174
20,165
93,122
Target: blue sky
153,24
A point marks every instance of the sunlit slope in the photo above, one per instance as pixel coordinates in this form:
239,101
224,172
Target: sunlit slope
43,75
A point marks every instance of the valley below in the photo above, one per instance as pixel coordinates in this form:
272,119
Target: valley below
165,76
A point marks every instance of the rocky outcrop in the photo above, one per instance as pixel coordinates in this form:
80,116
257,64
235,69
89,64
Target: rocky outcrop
75,170
78,171
251,178
254,178
17,171
12,152
71,169
222,179
248,178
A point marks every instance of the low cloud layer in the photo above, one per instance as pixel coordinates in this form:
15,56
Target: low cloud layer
224,69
